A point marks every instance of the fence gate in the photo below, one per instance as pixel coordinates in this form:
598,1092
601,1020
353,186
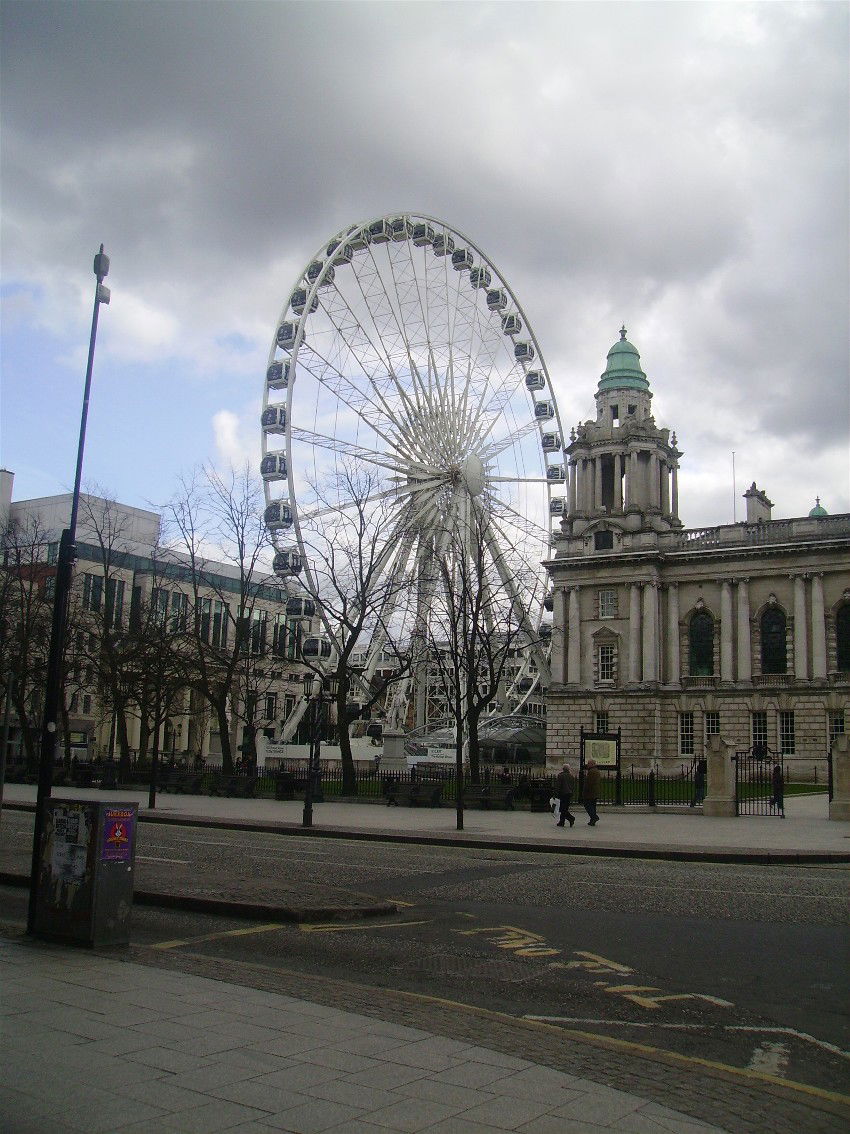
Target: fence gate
758,790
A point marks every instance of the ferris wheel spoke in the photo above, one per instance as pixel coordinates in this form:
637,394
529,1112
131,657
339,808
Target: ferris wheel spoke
511,585
345,448
421,392
519,480
497,447
377,371
343,388
517,520
398,491
379,297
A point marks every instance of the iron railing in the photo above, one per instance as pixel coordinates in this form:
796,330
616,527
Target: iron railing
529,787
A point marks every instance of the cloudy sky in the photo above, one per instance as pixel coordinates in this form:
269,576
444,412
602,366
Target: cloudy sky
680,167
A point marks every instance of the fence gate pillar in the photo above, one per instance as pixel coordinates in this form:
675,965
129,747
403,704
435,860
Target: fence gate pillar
839,806
393,758
720,779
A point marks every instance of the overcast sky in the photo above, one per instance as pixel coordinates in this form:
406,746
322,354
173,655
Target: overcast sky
681,168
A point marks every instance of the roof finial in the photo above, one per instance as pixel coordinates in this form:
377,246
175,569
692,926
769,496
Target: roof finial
817,501
623,332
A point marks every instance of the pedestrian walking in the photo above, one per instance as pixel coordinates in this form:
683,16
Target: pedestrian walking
590,791
564,787
700,771
777,782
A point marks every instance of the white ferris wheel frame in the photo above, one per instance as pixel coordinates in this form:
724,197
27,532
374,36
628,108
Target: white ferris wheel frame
537,650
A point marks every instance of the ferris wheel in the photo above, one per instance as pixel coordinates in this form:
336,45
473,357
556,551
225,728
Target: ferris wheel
402,352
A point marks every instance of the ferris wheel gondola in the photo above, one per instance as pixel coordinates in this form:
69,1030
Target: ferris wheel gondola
403,351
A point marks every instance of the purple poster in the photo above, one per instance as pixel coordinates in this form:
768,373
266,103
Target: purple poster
117,834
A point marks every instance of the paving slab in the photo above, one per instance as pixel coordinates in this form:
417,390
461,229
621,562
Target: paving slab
318,1092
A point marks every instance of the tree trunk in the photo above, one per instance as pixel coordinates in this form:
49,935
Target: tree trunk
220,708
459,760
144,732
28,733
474,748
124,769
349,776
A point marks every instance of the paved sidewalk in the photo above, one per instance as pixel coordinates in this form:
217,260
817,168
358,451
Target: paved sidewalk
806,833
95,1044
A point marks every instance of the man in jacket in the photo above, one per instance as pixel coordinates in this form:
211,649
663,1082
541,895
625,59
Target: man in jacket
590,791
564,787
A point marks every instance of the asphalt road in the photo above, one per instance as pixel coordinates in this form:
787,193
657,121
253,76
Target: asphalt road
745,965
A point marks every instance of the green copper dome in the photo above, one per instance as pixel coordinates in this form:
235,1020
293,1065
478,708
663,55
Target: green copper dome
623,371
818,510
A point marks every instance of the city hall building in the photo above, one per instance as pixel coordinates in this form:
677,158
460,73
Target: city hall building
672,634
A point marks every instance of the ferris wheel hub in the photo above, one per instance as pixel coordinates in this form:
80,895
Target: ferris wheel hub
474,475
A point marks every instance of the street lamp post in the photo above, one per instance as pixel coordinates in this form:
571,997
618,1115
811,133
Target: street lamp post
312,689
62,589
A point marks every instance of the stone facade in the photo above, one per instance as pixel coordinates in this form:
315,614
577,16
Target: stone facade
675,635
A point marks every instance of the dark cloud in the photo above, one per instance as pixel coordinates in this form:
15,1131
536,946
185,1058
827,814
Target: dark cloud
682,167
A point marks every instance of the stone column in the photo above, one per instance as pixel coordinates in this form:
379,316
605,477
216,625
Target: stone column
665,488
655,481
719,801
675,489
839,807
745,666
674,674
393,758
726,673
634,634
801,637
818,629
618,482
650,632
597,484
559,630
586,485
572,489
574,640
634,486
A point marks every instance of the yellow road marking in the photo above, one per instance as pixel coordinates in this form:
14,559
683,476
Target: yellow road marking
594,1040
336,927
266,927
614,1044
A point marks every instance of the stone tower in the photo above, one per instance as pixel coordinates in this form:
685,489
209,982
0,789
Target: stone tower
623,469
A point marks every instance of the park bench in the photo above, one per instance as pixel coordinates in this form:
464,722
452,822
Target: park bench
184,783
487,796
235,787
413,795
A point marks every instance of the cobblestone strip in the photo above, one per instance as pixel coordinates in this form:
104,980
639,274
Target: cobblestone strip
722,1098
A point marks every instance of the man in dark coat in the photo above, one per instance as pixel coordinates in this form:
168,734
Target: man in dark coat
564,787
590,791
777,783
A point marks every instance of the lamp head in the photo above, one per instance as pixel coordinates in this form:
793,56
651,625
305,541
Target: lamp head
101,265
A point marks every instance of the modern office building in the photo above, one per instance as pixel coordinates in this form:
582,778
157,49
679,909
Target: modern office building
122,569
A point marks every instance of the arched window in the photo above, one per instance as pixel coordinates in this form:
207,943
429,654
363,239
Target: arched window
842,637
773,654
701,652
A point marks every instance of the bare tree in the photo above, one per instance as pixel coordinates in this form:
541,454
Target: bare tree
105,652
357,575
477,627
216,530
26,603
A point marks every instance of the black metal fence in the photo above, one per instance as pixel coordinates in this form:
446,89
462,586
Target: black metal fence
759,782
522,787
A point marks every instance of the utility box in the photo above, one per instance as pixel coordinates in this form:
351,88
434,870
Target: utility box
84,892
